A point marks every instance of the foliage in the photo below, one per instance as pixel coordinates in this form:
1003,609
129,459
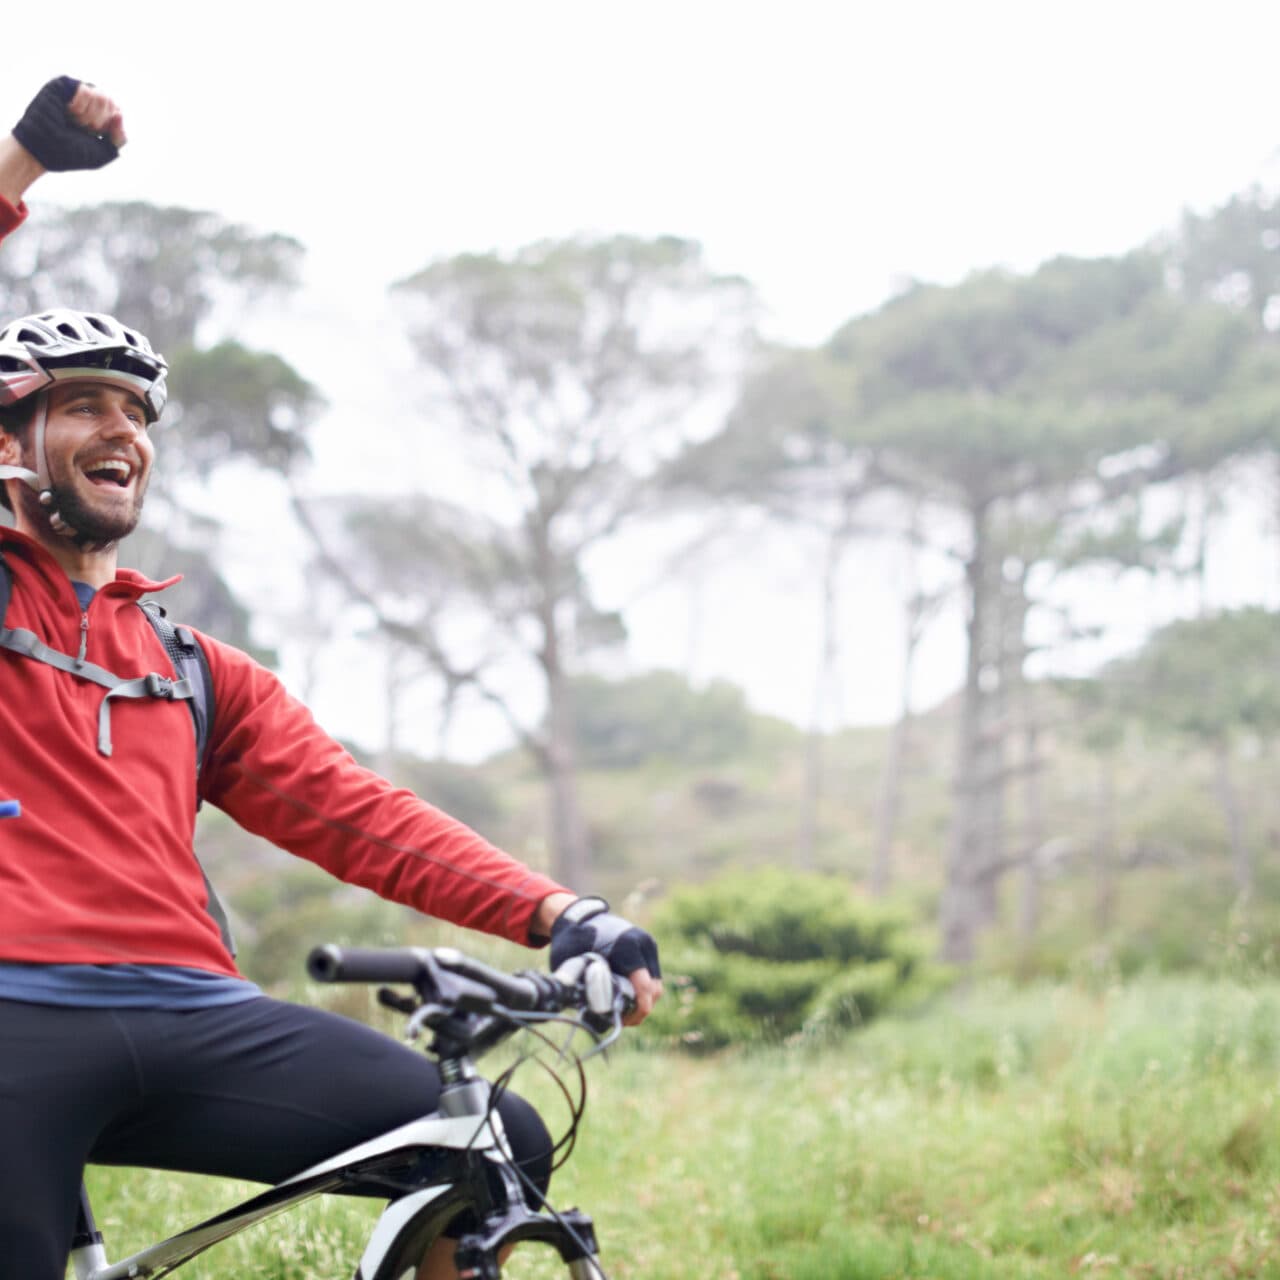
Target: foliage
163,269
1208,677
621,723
1231,254
770,954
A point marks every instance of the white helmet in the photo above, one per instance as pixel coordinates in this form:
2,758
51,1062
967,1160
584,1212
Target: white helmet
38,350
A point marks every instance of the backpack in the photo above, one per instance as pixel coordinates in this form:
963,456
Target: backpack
194,686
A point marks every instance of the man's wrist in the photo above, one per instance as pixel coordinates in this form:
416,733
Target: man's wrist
18,169
547,914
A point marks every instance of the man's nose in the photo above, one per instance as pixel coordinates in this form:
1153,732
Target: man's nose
121,425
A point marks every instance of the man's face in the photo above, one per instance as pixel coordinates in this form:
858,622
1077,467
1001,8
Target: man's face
100,456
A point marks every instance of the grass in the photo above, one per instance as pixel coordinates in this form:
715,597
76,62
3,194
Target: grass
1048,1131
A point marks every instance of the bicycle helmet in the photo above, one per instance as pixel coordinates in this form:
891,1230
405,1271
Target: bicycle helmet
39,350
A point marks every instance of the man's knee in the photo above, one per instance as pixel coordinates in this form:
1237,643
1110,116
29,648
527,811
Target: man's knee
530,1142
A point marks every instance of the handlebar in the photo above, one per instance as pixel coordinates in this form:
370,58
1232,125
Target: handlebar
447,977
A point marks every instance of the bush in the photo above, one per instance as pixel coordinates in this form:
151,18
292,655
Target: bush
771,955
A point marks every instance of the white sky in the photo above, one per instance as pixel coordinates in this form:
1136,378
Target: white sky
824,151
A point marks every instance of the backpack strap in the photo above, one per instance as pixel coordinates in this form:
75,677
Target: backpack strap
192,666
152,685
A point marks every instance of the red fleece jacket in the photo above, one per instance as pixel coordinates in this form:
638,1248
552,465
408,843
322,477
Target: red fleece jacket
100,867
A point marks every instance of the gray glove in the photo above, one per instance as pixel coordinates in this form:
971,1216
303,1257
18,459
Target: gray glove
588,925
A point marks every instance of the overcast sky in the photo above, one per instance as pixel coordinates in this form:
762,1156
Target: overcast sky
824,151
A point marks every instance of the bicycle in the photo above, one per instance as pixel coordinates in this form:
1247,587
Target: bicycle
431,1169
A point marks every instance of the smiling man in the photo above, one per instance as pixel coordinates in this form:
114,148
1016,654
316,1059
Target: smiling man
127,1033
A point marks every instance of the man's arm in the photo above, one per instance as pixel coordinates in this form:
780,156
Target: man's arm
18,170
68,125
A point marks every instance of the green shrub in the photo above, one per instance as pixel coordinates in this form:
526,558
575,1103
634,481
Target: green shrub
770,955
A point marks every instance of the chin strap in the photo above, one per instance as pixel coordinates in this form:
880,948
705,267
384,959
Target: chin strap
21,473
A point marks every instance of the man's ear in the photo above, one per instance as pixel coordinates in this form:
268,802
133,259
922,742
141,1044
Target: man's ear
10,449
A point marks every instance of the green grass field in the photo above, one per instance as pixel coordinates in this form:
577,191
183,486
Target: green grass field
1047,1131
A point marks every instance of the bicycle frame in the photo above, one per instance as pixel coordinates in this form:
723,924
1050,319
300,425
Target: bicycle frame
341,1173
433,1167
405,1228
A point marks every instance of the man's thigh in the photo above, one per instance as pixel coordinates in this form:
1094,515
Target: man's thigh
260,1090
63,1074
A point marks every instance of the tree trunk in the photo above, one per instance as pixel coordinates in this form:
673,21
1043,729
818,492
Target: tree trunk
571,849
1229,800
569,841
826,697
895,757
1104,854
961,907
1033,831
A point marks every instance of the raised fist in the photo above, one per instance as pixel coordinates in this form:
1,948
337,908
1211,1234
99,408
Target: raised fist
71,125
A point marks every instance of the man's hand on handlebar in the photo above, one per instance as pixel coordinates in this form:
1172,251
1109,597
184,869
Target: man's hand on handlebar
587,924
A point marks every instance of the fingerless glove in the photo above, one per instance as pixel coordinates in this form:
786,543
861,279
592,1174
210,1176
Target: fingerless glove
54,138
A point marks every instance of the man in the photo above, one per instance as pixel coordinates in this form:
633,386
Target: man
127,1035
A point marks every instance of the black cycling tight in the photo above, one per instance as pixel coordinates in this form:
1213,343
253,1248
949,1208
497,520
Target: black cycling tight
257,1090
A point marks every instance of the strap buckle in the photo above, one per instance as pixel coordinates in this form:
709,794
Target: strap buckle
159,686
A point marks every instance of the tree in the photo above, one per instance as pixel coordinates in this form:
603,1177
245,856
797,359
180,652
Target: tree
571,371
1214,680
1035,411
1231,254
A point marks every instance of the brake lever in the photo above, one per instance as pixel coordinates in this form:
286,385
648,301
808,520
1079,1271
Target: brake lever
389,998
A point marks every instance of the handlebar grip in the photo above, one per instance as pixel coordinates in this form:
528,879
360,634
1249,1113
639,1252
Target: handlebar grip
332,963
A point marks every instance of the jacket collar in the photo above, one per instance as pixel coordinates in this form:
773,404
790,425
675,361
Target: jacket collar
128,582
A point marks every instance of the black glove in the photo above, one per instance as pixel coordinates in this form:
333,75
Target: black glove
54,138
587,925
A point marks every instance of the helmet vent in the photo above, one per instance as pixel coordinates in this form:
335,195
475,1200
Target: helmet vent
67,331
32,336
97,324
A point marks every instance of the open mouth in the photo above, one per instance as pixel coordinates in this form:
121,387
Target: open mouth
110,473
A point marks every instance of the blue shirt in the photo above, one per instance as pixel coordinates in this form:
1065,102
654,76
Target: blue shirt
121,986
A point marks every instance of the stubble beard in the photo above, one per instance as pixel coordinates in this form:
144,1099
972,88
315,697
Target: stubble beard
92,525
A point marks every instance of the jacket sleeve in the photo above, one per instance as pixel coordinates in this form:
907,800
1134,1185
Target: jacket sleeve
11,216
279,775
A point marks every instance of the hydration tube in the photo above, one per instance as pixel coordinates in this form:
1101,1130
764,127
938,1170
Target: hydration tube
10,809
